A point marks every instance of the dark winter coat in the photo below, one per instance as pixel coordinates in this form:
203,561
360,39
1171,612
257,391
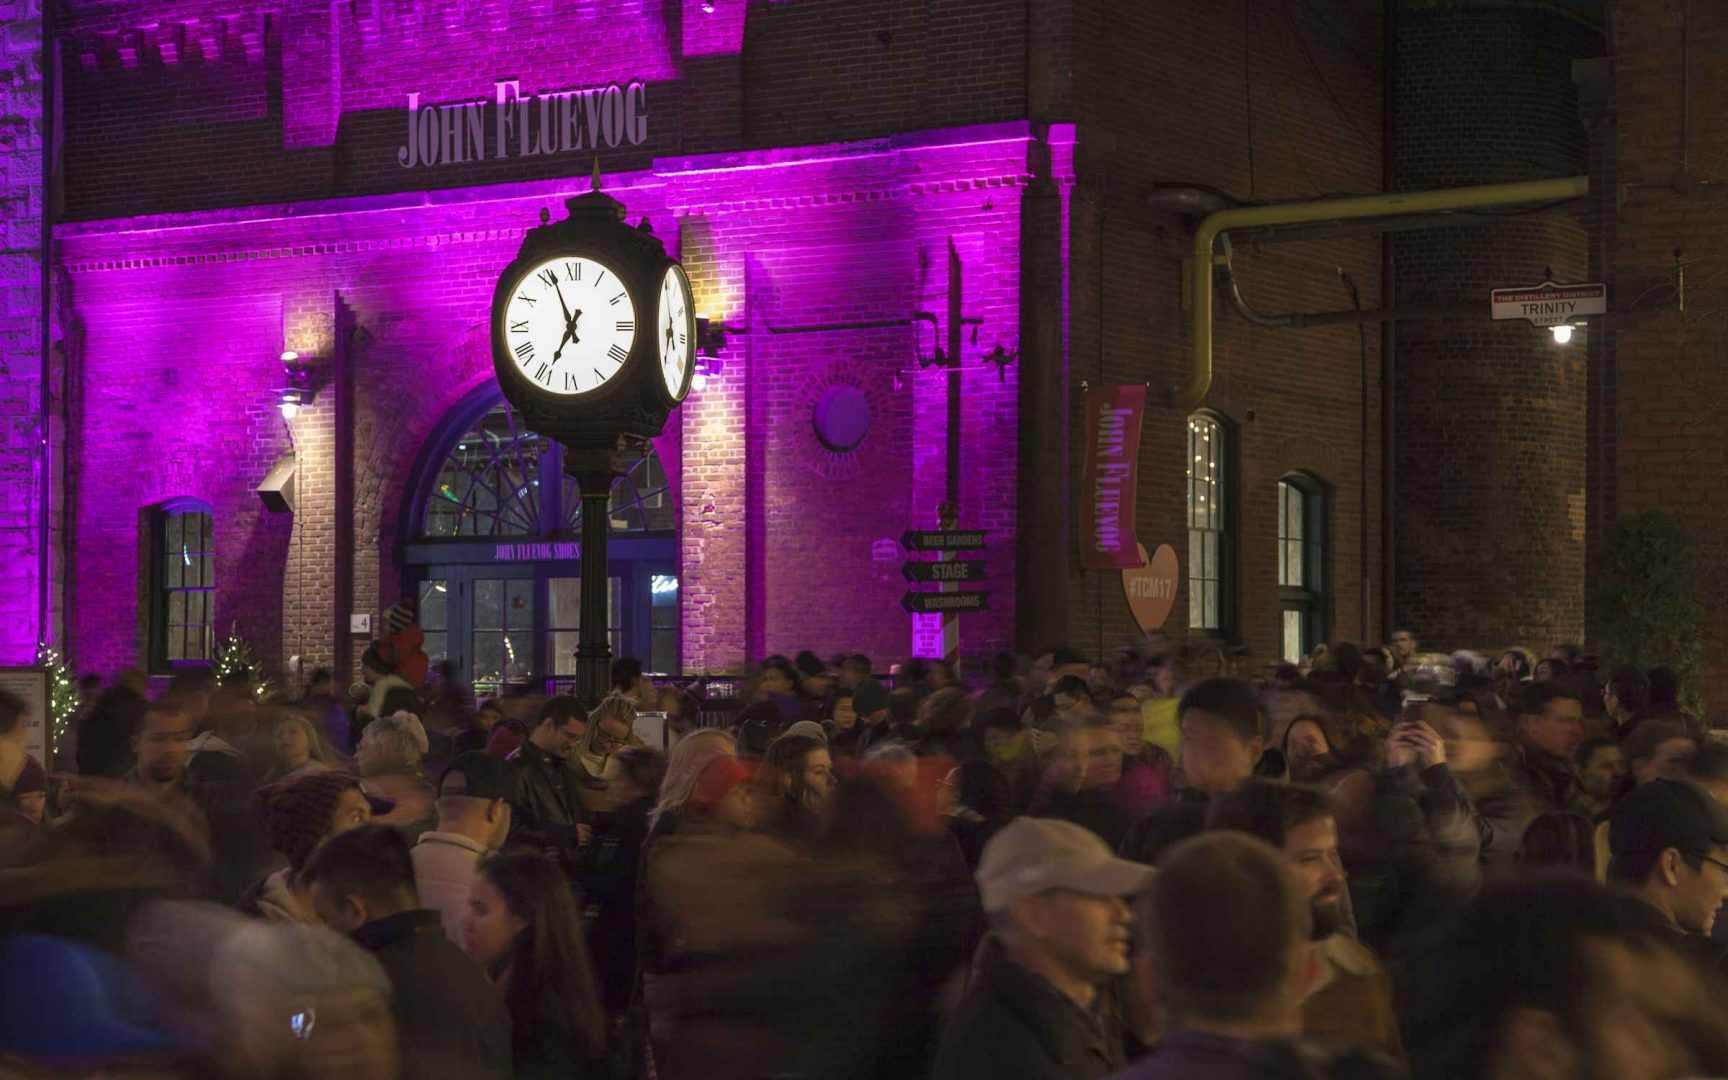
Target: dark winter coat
1198,1055
450,1020
1012,1025
548,805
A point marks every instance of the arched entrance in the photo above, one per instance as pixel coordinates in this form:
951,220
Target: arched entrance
493,560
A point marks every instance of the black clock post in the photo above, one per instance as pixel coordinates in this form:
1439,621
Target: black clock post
573,364
595,472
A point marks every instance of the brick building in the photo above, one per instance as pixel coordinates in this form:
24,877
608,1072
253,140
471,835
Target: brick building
235,183
1656,440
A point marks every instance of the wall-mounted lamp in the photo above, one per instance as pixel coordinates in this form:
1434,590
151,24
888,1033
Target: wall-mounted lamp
298,393
707,367
1562,333
710,342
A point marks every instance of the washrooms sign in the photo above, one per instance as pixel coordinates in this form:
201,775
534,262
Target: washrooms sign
1549,304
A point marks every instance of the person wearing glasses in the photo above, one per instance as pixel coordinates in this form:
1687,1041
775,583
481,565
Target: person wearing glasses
1668,853
611,727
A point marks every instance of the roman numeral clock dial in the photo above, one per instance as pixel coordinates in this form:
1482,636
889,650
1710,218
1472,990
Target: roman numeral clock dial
675,333
569,325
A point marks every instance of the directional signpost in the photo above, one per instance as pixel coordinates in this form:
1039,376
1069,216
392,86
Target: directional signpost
934,629
941,540
952,570
930,603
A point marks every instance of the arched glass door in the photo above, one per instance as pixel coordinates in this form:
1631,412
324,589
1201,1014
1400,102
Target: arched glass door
494,558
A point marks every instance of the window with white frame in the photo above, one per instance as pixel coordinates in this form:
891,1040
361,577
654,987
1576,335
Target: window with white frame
1301,566
1209,598
182,584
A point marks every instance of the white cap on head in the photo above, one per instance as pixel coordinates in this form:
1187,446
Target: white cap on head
1034,855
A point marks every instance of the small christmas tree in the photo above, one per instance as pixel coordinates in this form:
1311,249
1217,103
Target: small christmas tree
236,663
62,693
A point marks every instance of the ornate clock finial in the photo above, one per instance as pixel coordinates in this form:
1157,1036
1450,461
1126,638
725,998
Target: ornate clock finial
594,204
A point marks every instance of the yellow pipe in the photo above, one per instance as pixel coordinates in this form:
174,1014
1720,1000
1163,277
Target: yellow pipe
1364,206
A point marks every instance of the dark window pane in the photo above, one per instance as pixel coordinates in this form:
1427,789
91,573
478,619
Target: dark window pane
564,644
519,655
488,659
518,603
488,605
434,605
565,595
663,651
488,484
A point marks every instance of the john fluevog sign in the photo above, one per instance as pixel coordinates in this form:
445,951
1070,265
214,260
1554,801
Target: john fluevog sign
511,125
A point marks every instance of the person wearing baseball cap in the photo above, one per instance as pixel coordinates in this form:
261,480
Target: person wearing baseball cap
474,797
1668,852
1057,904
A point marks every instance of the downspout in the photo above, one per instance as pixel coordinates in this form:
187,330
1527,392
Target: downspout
45,499
1388,341
1203,258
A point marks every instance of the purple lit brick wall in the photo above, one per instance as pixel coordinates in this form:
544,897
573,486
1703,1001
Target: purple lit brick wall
21,385
182,317
777,158
774,521
188,104
182,110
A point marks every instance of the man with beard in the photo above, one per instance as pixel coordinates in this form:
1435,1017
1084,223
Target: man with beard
1226,951
159,746
1352,997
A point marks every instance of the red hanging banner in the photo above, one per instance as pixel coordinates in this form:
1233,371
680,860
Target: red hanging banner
1113,415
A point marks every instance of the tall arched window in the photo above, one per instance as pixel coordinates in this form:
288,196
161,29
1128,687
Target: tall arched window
1301,565
501,479
1211,600
182,583
492,529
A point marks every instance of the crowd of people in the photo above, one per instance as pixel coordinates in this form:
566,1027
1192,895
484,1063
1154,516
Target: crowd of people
1379,863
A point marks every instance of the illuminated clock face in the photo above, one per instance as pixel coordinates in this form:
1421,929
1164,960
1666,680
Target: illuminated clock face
569,325
674,330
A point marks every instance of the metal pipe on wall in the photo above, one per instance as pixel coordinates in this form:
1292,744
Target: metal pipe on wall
1203,258
45,493
1388,333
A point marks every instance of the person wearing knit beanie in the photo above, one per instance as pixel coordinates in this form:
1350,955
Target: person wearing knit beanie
296,816
29,795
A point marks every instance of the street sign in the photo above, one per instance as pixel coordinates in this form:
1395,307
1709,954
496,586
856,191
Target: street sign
950,570
942,541
924,603
1549,304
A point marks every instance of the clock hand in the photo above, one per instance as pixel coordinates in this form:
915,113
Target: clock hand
569,335
561,303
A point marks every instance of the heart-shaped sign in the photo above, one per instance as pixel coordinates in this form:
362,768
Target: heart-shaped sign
1151,587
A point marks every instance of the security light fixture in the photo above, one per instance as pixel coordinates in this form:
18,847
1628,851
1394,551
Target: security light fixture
298,393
